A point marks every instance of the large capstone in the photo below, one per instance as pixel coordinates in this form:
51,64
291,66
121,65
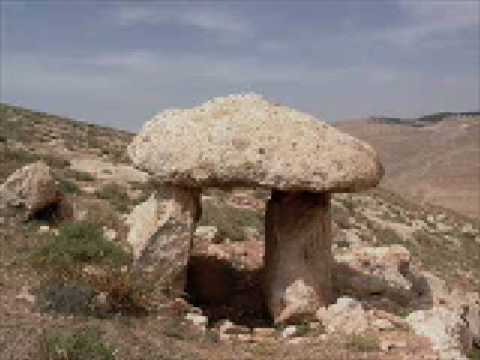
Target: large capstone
244,140
298,257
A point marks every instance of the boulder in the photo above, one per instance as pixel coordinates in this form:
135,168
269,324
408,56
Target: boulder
32,188
445,329
244,140
346,316
161,231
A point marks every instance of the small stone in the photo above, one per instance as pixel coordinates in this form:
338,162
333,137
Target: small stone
198,320
207,233
229,328
44,229
289,331
382,324
26,295
110,234
387,345
346,316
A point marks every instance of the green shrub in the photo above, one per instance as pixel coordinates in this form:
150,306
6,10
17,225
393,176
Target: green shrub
84,344
474,354
116,195
69,187
230,221
80,243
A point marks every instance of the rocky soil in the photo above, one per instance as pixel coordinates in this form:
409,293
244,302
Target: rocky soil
406,280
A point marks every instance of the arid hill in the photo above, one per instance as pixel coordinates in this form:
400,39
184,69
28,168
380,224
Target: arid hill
68,289
435,162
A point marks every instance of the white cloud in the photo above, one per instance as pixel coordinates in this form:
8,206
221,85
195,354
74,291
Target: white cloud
428,19
209,18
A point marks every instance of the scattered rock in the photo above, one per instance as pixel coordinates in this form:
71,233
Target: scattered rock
110,234
198,320
290,331
345,316
26,295
446,330
227,330
32,187
207,233
43,229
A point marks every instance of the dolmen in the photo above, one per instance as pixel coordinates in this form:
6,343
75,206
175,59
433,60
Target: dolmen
247,141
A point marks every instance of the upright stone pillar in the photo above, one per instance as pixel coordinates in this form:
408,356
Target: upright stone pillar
162,246
298,258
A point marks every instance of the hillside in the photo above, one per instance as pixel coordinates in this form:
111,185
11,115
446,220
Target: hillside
437,163
395,257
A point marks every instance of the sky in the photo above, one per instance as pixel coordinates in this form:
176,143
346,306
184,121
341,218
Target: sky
117,63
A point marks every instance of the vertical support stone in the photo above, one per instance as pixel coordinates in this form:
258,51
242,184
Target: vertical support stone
298,258
162,246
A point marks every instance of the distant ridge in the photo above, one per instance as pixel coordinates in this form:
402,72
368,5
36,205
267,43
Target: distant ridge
427,120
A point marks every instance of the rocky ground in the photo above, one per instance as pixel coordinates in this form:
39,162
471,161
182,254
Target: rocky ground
406,277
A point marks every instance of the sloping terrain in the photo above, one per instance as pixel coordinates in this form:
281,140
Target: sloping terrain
89,162
438,163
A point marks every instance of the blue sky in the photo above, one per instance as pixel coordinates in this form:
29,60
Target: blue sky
118,63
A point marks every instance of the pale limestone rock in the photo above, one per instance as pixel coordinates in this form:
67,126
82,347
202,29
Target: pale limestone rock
200,321
446,330
32,187
109,234
26,295
346,316
244,140
161,231
44,229
289,331
297,255
103,170
207,233
382,324
144,220
227,329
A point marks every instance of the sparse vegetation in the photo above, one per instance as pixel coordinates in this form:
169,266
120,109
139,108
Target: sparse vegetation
84,344
474,354
69,187
116,195
363,343
80,243
230,221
